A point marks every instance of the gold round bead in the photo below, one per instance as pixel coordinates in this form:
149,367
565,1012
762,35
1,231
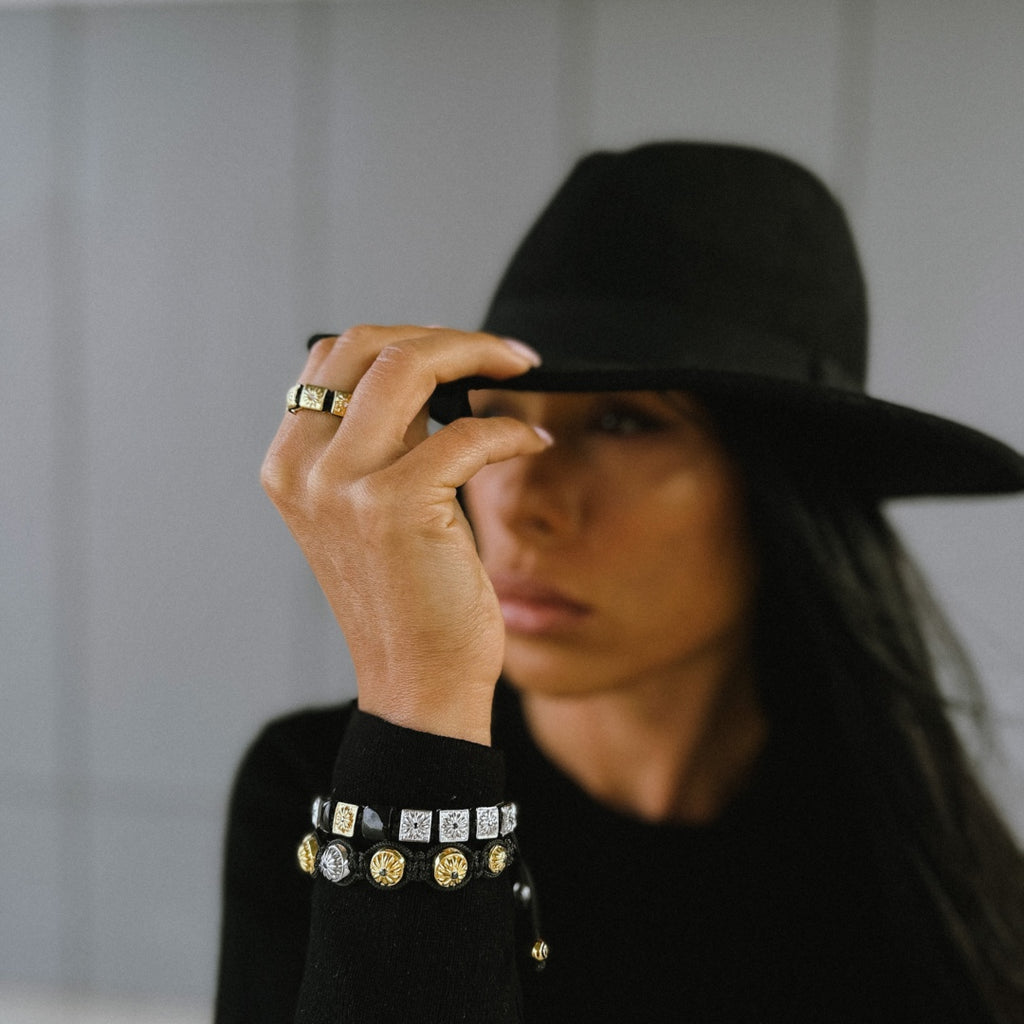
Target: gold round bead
540,951
387,867
451,868
497,859
308,849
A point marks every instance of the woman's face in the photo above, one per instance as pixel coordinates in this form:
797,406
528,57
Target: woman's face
622,553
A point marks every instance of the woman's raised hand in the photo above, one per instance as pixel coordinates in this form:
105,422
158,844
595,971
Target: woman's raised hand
371,499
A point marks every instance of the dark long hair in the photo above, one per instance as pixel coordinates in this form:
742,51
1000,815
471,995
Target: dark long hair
841,602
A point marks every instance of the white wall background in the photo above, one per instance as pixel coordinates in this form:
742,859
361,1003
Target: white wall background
187,191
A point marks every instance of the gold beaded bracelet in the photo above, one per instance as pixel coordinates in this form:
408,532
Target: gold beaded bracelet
389,865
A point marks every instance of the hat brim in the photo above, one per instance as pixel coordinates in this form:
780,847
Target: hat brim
874,447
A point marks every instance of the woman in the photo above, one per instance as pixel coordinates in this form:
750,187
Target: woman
739,793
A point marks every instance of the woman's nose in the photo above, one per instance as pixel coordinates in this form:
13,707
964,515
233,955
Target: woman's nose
542,495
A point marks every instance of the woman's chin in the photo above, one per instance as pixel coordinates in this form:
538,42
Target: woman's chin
532,669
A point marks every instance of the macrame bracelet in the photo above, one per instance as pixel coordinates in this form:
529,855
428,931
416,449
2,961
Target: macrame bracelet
449,864
390,865
409,825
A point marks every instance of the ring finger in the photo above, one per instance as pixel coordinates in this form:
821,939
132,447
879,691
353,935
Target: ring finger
330,371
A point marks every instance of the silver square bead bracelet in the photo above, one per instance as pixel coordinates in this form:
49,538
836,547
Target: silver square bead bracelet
413,825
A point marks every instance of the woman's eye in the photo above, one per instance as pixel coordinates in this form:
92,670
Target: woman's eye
485,410
625,422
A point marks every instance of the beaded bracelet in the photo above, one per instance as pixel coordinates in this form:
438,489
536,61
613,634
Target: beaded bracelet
410,825
448,865
390,865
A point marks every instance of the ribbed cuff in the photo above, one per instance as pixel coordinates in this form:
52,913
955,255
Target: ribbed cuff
379,762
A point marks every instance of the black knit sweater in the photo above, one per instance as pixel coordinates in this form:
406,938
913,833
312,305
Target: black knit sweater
778,912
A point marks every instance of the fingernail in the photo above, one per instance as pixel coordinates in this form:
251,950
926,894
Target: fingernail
543,435
532,357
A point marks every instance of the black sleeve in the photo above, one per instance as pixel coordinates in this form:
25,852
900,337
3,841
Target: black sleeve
266,899
415,953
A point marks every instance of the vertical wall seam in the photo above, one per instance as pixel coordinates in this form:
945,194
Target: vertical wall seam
853,94
72,541
575,79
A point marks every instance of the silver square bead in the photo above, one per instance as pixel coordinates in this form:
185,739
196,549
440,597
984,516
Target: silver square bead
453,826
509,818
414,826
316,812
487,823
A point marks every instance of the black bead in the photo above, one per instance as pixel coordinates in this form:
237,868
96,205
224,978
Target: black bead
375,823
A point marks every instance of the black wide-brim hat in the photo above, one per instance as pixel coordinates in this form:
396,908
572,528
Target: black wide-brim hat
731,273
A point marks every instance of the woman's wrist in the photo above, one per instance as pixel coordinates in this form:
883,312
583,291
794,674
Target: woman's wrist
462,712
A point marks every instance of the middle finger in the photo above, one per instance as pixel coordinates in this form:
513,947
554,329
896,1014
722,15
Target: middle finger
402,367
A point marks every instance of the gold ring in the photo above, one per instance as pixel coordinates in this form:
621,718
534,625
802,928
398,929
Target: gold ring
319,399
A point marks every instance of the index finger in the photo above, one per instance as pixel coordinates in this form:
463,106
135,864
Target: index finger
398,384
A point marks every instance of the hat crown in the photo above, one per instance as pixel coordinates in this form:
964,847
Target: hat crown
732,273
699,255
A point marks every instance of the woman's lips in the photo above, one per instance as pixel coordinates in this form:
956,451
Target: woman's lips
529,606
